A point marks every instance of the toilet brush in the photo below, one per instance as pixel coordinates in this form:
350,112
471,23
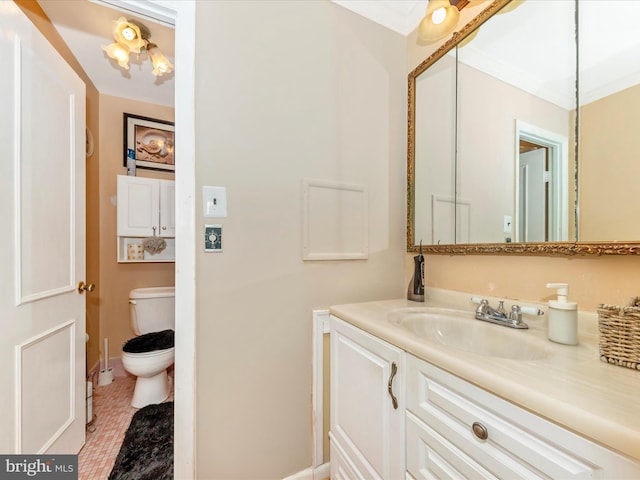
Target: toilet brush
105,377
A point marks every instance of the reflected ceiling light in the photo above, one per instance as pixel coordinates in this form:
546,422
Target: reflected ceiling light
134,37
440,20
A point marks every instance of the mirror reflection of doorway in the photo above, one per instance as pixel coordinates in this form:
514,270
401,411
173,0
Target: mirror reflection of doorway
533,183
541,197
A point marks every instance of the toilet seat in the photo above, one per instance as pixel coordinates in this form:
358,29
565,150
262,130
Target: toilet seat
150,342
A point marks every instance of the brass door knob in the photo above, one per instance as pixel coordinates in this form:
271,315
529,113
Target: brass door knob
86,287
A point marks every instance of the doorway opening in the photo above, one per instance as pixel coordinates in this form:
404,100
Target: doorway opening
541,197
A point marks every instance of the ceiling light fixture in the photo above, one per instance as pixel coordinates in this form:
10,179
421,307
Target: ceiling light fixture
134,37
440,20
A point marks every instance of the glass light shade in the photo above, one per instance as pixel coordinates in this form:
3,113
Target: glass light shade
432,29
128,34
118,53
160,63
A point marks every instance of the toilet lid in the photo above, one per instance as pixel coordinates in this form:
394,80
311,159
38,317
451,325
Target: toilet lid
150,342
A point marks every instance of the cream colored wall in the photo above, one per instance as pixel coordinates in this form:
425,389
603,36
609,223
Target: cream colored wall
592,279
608,196
35,13
285,91
117,279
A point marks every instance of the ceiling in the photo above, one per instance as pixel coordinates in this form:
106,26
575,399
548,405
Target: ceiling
401,16
85,26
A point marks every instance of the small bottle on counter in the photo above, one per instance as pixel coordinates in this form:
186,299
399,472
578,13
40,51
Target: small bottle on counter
563,317
131,162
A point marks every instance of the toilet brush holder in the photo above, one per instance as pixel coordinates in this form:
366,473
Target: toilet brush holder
105,377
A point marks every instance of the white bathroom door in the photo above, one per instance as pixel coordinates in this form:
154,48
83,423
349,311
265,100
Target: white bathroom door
533,204
42,243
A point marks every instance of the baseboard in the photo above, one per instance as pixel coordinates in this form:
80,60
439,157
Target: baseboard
321,472
93,371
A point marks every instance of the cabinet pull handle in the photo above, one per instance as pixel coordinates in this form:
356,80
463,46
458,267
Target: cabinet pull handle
480,431
394,400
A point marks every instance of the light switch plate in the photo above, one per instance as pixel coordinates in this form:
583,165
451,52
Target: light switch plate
213,238
508,224
214,202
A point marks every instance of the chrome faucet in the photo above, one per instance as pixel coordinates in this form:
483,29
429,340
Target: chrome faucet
499,316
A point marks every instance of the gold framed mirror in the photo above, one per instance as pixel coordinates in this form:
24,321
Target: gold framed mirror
560,231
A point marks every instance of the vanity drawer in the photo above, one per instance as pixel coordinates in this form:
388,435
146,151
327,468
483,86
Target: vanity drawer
442,410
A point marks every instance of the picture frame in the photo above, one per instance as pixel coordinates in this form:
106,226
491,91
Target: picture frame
150,142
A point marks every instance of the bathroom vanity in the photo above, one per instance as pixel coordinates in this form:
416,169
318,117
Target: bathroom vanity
421,390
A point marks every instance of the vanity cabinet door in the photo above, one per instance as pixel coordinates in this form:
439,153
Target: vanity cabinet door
367,405
457,430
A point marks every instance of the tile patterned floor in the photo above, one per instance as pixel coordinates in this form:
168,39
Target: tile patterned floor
112,414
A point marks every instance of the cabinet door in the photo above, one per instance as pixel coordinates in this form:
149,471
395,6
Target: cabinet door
138,206
366,422
167,208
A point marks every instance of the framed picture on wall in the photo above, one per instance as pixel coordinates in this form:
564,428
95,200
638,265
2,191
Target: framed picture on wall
150,142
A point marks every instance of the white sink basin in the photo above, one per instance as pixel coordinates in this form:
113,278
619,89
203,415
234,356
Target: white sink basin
461,330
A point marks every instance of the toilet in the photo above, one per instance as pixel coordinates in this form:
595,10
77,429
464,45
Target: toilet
151,352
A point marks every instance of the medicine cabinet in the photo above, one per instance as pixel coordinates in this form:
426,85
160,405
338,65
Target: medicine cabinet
146,208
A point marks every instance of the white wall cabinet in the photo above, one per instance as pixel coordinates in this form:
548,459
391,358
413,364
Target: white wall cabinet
146,208
367,405
451,428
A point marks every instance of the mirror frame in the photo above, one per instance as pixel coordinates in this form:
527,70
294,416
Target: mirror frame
541,249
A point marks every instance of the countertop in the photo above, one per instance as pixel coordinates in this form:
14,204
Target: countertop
570,386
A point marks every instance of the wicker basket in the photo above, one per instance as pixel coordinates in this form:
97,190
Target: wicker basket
620,334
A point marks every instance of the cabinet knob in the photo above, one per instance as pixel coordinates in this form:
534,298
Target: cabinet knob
164,228
480,431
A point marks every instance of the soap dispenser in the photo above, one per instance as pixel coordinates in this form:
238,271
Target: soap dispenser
415,291
563,317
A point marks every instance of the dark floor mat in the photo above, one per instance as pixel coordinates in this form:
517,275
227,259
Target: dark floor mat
147,450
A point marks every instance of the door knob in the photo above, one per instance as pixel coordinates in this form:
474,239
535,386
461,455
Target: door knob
86,287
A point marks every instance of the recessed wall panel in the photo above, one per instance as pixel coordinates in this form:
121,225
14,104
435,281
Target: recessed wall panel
335,221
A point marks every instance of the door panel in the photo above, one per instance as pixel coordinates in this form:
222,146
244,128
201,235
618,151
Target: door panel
42,249
533,205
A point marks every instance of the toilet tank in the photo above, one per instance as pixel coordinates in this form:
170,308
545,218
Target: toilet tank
152,309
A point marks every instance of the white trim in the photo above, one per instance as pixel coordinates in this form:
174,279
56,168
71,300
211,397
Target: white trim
321,472
558,146
320,327
156,13
182,14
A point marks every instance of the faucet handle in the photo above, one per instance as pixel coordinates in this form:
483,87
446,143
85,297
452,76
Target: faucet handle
483,304
531,310
516,314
